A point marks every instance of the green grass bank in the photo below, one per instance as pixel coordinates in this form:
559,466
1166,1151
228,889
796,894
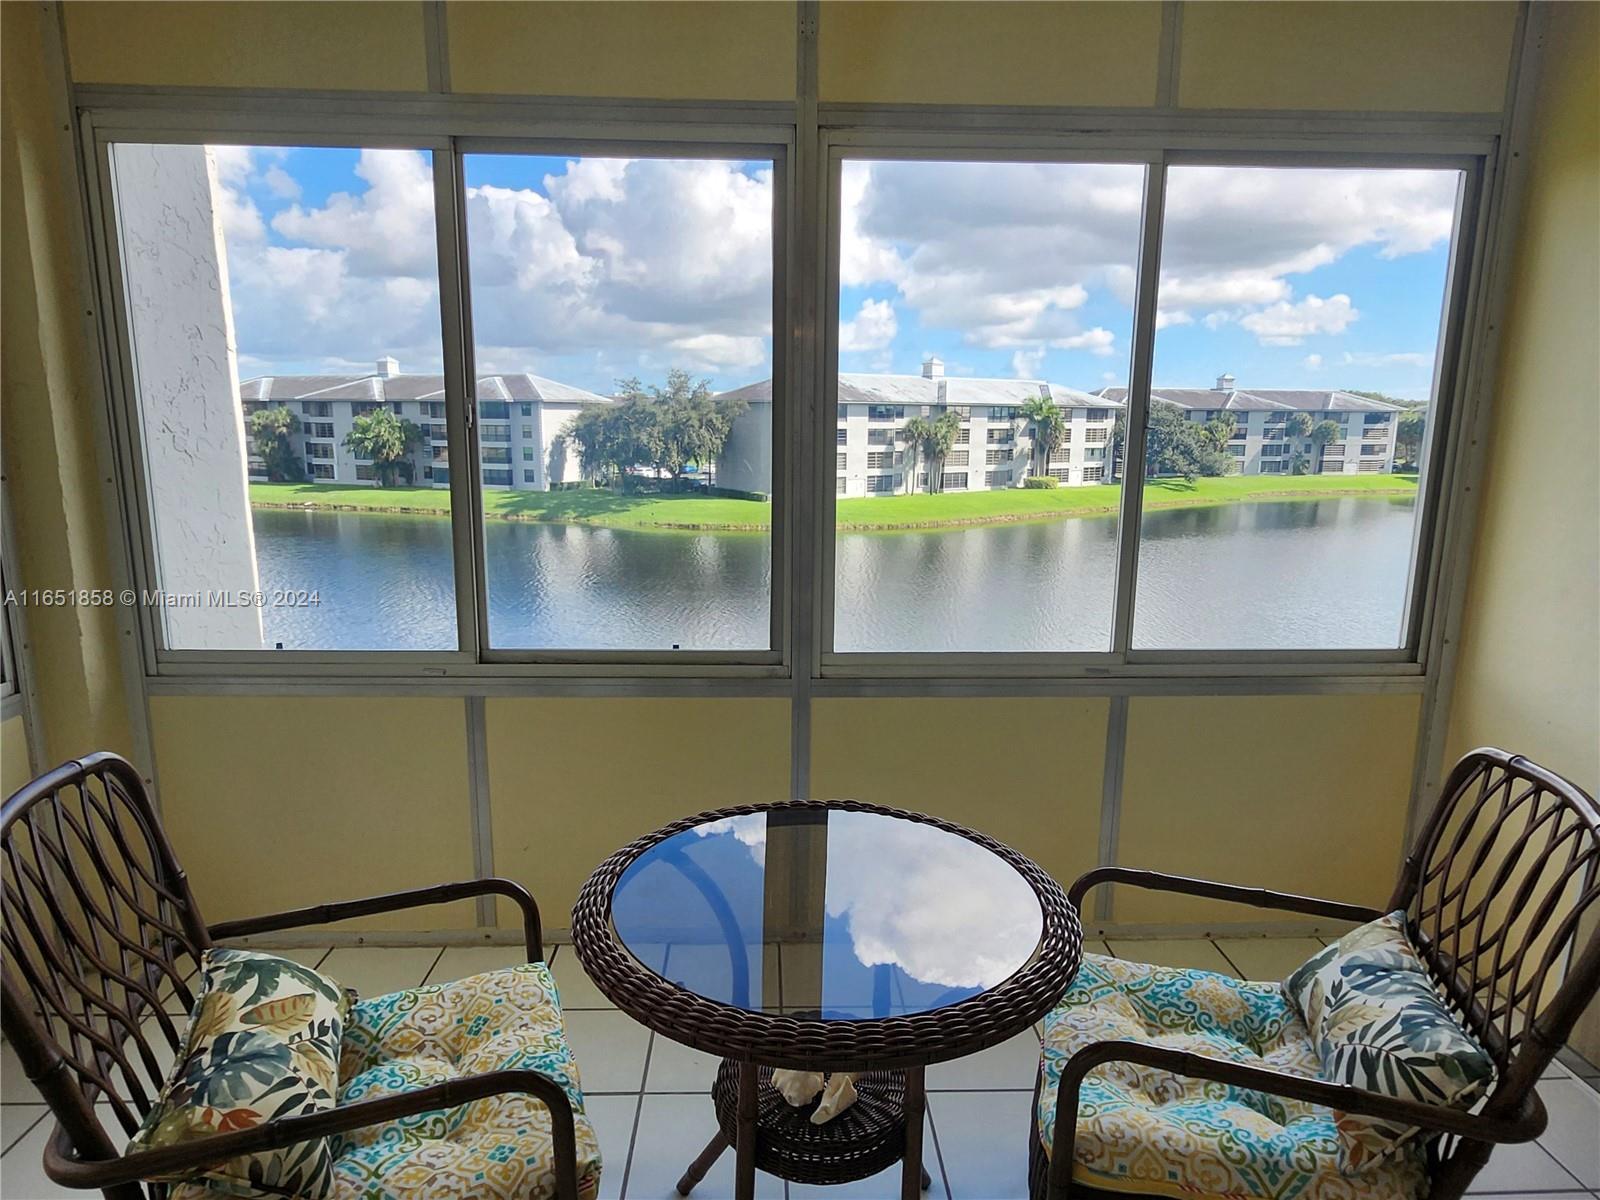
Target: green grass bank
952,509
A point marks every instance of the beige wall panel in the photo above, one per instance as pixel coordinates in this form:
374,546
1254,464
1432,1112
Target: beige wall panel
1528,678
1027,771
274,802
14,768
1366,56
572,779
919,52
374,45
668,50
1298,793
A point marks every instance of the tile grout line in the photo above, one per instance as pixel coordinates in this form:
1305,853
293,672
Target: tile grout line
638,1111
12,1144
938,1151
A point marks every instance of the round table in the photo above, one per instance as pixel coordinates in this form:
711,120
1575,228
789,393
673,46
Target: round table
825,936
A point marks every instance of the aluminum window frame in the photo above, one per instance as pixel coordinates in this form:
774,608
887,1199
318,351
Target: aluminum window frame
277,123
1468,153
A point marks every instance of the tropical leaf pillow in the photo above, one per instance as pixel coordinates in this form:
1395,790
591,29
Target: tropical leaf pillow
263,1042
1379,1023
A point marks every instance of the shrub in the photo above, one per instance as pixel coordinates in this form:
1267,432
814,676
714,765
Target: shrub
1041,481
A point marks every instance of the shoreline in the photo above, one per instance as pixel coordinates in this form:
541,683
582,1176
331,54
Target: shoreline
953,522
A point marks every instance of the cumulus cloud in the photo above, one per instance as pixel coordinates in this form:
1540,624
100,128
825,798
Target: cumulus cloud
627,266
1008,254
1025,364
1402,359
1312,362
872,328
1289,324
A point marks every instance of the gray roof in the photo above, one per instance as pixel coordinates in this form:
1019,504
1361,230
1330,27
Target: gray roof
515,388
860,388
1260,399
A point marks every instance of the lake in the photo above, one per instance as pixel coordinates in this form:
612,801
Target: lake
1327,573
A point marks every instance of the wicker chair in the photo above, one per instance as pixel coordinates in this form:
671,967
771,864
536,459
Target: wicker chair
1501,882
101,933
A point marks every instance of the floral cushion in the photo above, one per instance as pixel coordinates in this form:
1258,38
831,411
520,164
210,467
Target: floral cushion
1379,1023
497,1148
263,1042
1154,1133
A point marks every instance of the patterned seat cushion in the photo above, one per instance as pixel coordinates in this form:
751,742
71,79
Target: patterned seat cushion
497,1148
1151,1132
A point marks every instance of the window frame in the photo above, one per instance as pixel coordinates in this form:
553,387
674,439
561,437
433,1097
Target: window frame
805,248
1158,152
473,656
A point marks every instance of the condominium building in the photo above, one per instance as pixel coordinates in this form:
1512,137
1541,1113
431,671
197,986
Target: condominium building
1261,445
874,458
519,417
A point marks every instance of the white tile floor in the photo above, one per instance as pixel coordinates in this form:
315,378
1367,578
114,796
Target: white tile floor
646,1095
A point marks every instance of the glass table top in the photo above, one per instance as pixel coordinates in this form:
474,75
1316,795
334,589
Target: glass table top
826,914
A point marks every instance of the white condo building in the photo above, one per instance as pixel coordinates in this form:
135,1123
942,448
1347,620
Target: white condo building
520,419
1260,444
872,457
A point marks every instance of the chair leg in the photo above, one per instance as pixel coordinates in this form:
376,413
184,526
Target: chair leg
698,1168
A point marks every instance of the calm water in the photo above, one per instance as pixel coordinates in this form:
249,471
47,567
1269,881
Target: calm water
1320,573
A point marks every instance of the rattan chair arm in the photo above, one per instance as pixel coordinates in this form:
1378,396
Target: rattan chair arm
64,1168
1160,881
442,893
1527,1123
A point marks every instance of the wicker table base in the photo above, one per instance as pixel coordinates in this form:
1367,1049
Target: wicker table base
868,1137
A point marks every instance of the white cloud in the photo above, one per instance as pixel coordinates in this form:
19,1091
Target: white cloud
1402,359
1289,324
1025,364
1312,362
1098,341
281,183
872,328
628,266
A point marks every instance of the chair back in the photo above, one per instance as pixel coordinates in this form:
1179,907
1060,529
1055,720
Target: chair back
100,933
1502,891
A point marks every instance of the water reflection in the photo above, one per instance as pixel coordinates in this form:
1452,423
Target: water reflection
874,914
1317,573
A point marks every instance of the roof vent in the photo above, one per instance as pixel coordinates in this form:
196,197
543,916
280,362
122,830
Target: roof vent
1224,383
933,367
388,367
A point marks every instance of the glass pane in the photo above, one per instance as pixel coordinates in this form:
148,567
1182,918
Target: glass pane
985,321
283,309
622,319
1299,319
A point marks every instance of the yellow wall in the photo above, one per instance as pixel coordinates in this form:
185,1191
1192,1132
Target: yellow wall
275,802
1297,793
1029,52
685,51
571,780
371,45
14,768
55,487
1027,771
1342,55
1529,672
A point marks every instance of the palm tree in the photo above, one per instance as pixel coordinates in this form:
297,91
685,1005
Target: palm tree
1322,433
270,430
388,440
1046,427
1298,425
1299,464
931,441
1220,429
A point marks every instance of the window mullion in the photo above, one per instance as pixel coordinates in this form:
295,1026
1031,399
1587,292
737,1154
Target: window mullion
1137,405
466,516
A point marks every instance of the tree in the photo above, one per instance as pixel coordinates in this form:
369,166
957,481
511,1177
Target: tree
1221,428
932,440
1175,445
664,428
389,441
1298,425
1046,427
1322,433
270,431
1299,463
1408,437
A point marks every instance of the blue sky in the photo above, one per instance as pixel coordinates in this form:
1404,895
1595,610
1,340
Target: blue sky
589,271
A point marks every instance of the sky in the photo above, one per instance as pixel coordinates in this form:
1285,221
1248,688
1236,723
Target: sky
591,270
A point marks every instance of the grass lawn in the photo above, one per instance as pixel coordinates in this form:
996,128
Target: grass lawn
595,507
